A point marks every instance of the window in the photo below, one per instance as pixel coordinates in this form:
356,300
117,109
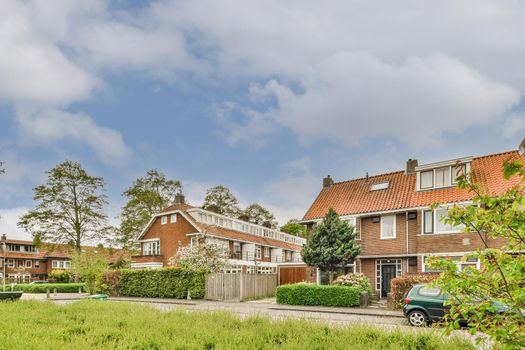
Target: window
442,177
257,252
151,248
29,263
441,225
388,226
10,262
458,171
30,249
164,220
426,179
469,263
173,218
428,221
237,247
379,186
266,252
37,263
60,264
429,292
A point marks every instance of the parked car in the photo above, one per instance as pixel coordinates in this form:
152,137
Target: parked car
424,304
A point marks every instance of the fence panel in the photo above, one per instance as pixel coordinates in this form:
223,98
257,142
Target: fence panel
221,286
292,274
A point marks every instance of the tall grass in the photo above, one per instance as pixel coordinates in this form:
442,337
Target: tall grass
106,325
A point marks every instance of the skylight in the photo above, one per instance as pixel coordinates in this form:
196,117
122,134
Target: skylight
379,186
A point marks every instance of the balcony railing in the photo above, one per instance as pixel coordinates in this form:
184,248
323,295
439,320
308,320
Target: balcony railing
146,258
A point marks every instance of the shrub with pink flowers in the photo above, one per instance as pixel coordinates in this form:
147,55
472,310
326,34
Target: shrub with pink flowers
354,280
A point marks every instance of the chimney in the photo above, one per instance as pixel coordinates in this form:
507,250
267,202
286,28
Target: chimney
4,237
411,166
180,199
327,181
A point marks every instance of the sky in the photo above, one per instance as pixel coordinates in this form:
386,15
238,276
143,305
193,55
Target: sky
265,97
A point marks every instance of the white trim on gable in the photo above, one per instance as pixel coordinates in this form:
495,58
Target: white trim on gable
154,217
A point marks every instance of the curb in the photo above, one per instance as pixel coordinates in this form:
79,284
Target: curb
337,312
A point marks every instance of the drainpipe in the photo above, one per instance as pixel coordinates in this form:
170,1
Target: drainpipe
406,232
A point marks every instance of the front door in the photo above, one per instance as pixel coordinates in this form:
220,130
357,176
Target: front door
387,273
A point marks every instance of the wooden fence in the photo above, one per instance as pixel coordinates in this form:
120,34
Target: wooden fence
224,286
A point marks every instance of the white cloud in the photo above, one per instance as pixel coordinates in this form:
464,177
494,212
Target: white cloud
50,125
354,96
514,126
8,220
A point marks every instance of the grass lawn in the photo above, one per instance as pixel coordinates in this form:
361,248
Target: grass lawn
110,325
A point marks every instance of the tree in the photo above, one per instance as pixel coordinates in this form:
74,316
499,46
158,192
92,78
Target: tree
89,267
475,294
332,245
293,227
205,256
147,196
221,200
70,207
257,214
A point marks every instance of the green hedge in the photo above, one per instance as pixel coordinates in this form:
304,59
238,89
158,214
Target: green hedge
42,288
313,294
162,283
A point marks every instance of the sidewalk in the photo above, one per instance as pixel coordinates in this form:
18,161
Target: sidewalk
258,305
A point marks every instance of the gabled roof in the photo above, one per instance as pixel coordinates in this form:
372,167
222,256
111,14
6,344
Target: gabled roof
218,231
354,196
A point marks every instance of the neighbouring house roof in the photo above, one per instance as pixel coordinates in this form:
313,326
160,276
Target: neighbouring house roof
223,232
354,196
63,251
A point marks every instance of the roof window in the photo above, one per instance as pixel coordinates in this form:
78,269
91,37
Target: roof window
379,186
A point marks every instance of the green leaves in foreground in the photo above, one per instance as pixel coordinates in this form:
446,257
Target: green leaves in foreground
116,325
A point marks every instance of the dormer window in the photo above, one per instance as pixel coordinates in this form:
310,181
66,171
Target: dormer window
441,175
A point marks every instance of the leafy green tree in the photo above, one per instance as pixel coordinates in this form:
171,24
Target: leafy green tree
333,245
70,207
221,200
476,294
293,227
257,214
89,267
147,196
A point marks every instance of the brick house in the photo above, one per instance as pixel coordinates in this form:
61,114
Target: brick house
251,248
25,262
391,212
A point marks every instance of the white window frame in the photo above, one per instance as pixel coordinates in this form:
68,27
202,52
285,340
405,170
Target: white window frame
151,248
258,252
164,219
421,180
394,226
10,263
436,220
30,266
60,264
458,263
37,263
266,252
173,218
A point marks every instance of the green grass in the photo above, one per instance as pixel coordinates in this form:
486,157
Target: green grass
114,325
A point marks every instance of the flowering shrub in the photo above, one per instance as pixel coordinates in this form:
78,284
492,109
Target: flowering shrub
354,280
205,256
399,286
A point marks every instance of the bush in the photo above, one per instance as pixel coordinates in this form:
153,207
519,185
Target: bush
400,286
313,294
110,282
42,288
59,276
354,280
162,283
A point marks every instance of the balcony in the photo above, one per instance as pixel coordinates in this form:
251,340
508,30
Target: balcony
146,259
282,259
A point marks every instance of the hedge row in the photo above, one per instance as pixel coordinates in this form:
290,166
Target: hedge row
400,286
43,288
313,294
161,283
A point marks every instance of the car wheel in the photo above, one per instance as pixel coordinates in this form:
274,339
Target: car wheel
417,318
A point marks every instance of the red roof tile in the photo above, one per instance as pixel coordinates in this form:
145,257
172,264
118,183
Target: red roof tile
355,197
